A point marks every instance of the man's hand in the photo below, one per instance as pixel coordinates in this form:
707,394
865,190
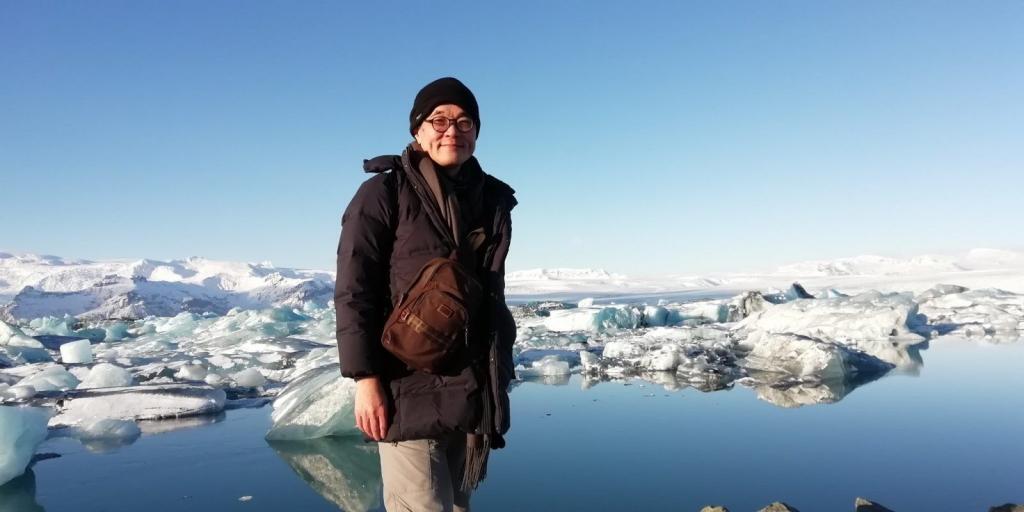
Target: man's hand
371,409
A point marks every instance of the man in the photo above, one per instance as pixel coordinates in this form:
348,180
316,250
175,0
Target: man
432,201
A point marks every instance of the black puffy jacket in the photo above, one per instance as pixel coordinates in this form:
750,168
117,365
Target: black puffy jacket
391,228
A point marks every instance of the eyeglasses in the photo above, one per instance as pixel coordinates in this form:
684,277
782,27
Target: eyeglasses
441,124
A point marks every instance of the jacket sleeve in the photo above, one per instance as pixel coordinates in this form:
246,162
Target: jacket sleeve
361,289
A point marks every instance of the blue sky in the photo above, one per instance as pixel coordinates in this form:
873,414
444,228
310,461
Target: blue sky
641,137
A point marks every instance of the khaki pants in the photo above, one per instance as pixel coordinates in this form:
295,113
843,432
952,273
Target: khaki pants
424,475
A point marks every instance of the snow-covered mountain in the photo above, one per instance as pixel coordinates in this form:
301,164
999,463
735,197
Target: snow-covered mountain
33,286
46,285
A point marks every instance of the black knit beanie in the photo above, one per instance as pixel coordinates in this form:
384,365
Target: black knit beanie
443,91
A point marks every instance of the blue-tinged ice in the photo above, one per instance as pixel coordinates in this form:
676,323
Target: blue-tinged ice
21,431
318,403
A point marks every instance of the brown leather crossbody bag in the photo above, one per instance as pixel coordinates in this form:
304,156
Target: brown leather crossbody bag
430,324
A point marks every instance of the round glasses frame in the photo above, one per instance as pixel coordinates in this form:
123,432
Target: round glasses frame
441,124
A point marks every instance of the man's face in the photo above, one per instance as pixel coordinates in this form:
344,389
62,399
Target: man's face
452,147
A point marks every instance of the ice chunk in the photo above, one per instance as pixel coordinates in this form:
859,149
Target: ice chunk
545,366
806,358
191,372
655,316
664,358
146,402
250,378
106,375
594,319
21,431
586,303
316,404
79,351
52,378
221,361
702,312
13,336
870,315
985,311
116,331
622,350
590,362
21,392
745,305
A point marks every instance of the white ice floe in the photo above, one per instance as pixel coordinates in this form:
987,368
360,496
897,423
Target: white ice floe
51,378
986,312
79,351
318,403
250,378
547,365
596,319
804,357
21,431
13,336
870,315
147,402
106,375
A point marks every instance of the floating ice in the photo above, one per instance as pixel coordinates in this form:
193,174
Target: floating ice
804,357
21,431
106,375
20,392
12,336
974,312
250,378
594,319
191,372
869,315
545,366
79,351
52,378
146,402
316,404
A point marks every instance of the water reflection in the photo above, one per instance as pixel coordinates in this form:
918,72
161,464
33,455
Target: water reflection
19,495
345,471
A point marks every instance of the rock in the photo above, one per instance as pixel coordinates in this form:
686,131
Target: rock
778,506
1007,507
714,508
866,505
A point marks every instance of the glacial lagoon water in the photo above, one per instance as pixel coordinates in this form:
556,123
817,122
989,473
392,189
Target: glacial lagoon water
948,435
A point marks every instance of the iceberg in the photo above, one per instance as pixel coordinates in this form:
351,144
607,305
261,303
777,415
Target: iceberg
318,403
250,378
806,358
986,312
596,319
52,378
870,315
21,431
145,402
106,375
79,351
